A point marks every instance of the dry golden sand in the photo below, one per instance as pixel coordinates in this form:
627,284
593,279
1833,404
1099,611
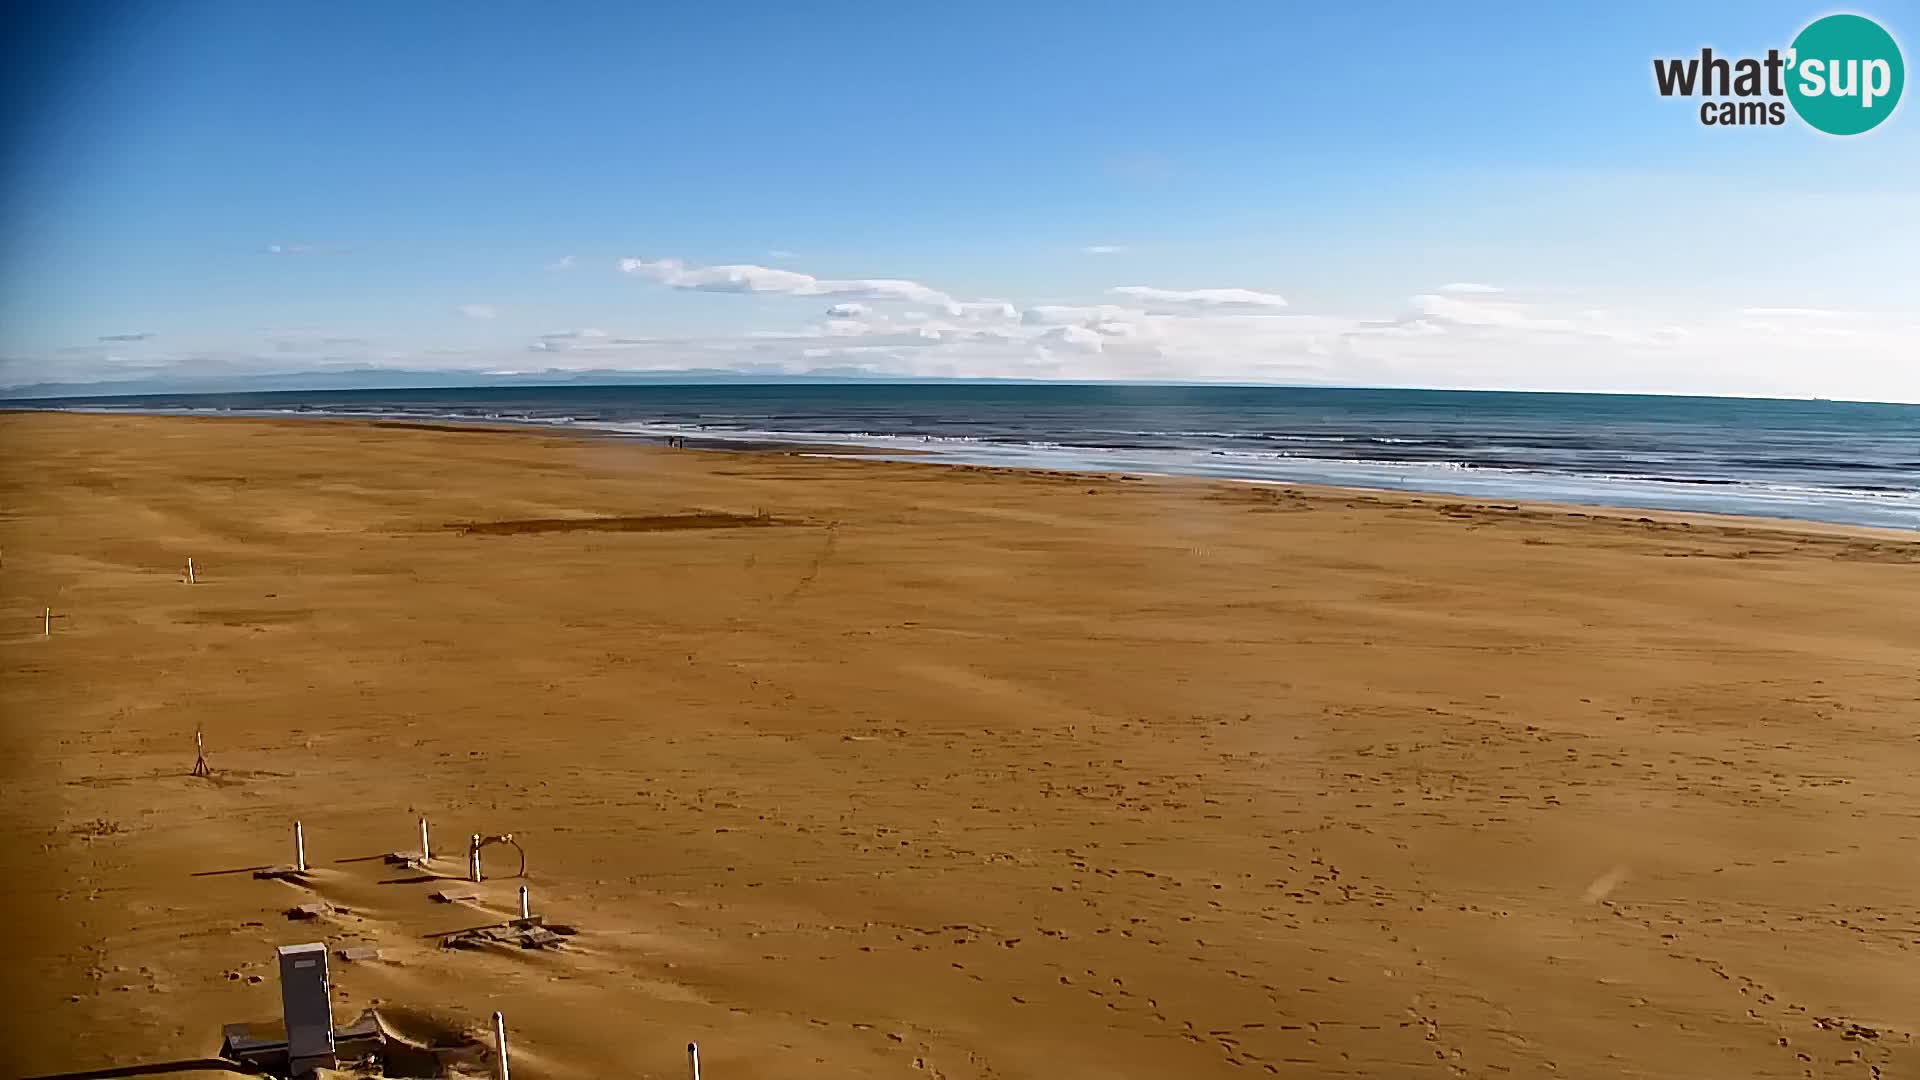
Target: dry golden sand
927,771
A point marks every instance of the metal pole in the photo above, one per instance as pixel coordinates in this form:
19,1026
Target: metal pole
500,1044
189,569
299,848
526,904
46,624
693,1060
473,858
425,852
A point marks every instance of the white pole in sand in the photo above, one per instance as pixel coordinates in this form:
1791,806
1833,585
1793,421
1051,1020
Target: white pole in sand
299,848
500,1044
46,623
189,569
693,1060
425,852
473,858
526,904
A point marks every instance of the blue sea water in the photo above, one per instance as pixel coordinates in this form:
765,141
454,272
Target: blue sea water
1844,462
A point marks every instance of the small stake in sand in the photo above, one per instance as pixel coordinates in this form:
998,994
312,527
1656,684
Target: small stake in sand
526,904
414,859
46,624
473,859
189,569
297,870
693,1060
500,1044
200,766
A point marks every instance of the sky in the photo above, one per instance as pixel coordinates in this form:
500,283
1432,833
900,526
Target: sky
1387,194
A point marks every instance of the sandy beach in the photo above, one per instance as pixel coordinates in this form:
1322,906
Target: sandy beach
883,769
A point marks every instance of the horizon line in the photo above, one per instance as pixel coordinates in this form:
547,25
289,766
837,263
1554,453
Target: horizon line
615,380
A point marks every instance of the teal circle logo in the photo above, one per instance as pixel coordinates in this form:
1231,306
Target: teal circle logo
1845,74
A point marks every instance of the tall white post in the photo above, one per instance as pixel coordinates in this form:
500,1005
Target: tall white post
693,1060
425,852
299,848
473,858
46,623
526,904
500,1045
189,569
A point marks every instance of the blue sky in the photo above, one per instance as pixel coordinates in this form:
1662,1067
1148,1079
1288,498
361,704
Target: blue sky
247,188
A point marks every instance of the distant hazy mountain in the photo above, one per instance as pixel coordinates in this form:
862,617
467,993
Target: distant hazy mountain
393,379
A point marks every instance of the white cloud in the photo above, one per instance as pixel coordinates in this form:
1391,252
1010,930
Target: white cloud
1104,249
478,311
1797,313
1054,314
1468,287
1203,297
1073,337
303,249
984,311
564,262
766,279
1455,308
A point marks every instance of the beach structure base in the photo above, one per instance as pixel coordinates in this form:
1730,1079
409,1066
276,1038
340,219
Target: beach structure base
366,1045
288,872
529,933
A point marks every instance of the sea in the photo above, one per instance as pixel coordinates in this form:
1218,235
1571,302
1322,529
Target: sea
1832,461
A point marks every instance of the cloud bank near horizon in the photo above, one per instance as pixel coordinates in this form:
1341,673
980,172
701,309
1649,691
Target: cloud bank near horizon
766,279
1463,335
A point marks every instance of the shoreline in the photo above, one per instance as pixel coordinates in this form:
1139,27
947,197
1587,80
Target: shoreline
1786,526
